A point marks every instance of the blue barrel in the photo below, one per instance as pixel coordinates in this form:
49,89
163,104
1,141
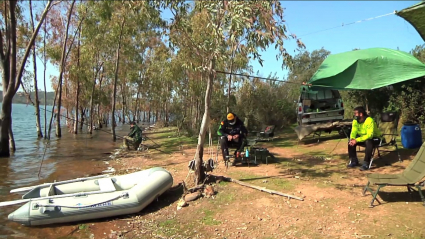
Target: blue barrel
411,136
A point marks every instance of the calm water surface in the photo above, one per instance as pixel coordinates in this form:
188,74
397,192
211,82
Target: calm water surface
69,157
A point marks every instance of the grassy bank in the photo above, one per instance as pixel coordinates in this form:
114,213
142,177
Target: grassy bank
332,208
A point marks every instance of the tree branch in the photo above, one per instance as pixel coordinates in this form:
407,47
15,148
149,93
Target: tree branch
12,52
186,34
2,60
27,94
7,52
75,34
29,46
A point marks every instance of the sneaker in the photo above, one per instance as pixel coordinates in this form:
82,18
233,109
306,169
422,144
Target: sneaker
365,166
353,163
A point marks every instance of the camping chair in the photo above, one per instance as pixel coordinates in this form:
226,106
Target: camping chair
387,124
233,146
266,134
412,176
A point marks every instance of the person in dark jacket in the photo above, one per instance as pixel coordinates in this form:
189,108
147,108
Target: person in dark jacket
134,138
232,133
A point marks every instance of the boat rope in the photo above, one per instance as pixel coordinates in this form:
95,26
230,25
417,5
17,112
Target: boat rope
46,145
84,206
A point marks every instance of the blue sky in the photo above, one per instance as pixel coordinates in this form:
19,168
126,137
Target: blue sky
305,17
311,16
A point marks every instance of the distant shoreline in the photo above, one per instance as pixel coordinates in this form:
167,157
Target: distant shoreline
21,98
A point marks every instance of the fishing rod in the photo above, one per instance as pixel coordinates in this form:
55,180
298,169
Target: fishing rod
107,131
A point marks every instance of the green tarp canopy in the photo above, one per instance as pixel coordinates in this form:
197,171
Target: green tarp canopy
415,15
367,69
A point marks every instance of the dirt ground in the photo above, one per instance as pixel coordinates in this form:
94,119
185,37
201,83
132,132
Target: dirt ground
332,208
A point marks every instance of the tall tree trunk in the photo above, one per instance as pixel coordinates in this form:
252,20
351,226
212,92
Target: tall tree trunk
68,124
199,170
229,90
166,119
53,113
92,97
75,125
114,95
37,101
91,104
123,103
83,114
149,116
100,116
61,70
11,139
191,107
136,112
11,75
77,94
197,113
44,80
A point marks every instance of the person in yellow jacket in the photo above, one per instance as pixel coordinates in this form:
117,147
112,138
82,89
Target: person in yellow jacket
364,131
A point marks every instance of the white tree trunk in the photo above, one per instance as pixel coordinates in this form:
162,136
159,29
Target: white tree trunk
199,171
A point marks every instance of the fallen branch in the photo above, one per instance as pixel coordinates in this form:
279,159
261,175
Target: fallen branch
262,189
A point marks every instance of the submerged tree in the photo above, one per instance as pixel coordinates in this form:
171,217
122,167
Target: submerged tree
11,71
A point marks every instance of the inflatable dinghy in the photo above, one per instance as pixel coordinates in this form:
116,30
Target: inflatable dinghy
89,198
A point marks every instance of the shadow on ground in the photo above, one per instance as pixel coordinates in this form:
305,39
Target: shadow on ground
391,197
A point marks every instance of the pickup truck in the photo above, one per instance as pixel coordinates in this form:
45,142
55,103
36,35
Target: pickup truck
319,106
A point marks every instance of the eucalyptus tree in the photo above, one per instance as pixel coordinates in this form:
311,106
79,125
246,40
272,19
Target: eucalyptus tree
121,22
259,23
37,101
60,44
11,71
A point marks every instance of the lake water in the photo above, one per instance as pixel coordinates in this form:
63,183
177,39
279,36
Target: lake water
68,157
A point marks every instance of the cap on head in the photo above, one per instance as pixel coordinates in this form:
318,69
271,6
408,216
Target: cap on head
132,123
230,116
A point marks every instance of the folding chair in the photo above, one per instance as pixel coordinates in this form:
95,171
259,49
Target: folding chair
412,176
387,124
266,134
232,145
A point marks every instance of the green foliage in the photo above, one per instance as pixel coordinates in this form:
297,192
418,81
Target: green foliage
83,227
304,65
164,66
376,100
264,103
408,98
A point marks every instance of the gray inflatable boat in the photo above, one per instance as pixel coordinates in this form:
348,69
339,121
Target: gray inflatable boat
89,198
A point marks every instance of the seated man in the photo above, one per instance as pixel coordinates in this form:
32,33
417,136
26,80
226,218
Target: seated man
134,138
232,132
364,131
